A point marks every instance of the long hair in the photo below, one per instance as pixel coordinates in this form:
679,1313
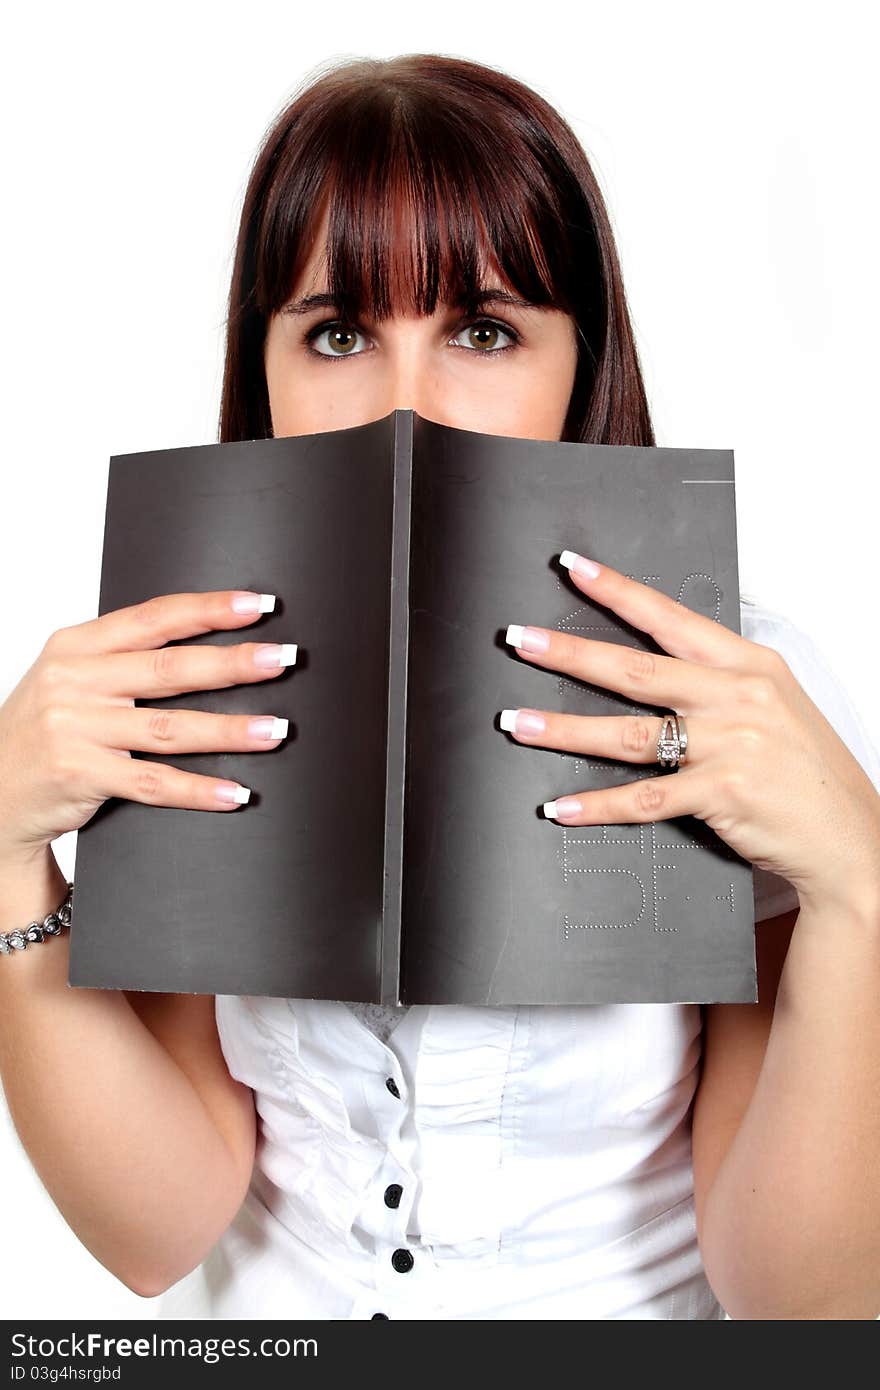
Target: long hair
484,167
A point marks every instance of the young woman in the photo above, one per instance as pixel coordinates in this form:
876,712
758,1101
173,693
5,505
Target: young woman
426,233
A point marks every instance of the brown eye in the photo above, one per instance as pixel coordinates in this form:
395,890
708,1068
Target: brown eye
482,338
483,335
341,337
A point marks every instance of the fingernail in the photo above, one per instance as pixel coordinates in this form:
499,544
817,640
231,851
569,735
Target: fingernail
528,638
267,727
231,792
253,603
563,806
522,721
579,563
283,654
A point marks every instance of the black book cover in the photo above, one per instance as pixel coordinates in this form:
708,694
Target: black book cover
394,849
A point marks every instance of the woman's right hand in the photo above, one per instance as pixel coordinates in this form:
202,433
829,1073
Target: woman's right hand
68,727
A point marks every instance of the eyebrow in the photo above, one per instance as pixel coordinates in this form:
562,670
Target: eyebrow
477,301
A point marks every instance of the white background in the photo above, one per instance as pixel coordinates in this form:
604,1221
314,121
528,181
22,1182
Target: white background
736,146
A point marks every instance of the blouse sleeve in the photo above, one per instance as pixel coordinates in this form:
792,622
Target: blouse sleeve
775,895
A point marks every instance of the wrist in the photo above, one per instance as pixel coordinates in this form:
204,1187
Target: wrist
854,896
31,885
16,857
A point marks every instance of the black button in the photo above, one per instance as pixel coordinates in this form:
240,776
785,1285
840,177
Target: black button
393,1195
380,1315
402,1261
392,1086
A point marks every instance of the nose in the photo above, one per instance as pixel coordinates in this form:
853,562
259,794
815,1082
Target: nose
424,396
413,381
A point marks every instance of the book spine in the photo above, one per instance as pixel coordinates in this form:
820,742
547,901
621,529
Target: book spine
396,737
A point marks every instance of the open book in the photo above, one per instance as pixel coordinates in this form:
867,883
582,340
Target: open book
394,848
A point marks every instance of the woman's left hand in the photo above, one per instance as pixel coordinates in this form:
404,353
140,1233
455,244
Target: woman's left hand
764,768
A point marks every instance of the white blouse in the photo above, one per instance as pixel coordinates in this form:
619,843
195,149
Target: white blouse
461,1162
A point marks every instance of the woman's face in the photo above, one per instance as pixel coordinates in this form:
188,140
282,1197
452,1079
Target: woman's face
513,375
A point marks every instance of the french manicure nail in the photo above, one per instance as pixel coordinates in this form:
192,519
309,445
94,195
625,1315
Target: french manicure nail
267,727
529,639
579,563
230,792
522,721
283,654
253,603
563,806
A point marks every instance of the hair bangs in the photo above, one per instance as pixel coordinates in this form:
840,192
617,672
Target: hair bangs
414,219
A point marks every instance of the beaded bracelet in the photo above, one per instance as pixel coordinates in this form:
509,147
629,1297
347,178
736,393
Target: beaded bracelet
38,931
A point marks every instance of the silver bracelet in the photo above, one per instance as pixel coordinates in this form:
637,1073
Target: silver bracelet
38,931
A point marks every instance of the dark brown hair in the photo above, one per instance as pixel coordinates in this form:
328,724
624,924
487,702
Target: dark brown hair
484,167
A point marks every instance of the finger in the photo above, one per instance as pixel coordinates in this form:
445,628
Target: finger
625,738
647,678
662,797
158,620
173,670
154,784
180,730
675,627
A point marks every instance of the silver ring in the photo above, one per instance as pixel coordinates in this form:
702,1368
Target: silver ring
673,741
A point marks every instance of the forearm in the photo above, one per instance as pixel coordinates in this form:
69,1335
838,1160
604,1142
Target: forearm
115,1130
791,1225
